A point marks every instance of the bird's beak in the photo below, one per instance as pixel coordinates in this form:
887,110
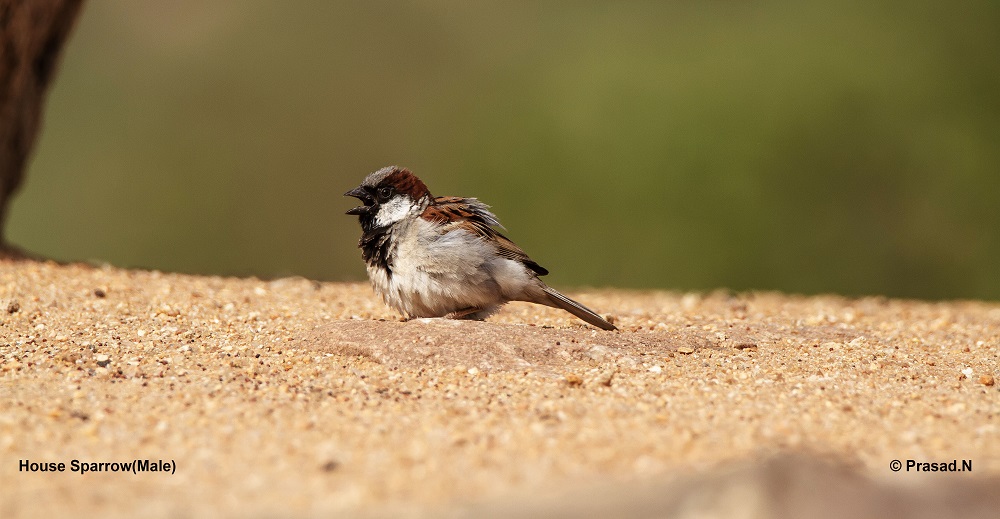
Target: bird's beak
365,198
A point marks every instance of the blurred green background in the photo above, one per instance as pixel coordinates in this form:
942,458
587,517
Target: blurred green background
848,147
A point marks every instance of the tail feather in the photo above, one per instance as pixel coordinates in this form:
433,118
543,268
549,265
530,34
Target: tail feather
557,300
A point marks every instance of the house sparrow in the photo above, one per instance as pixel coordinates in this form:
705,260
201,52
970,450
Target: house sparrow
441,256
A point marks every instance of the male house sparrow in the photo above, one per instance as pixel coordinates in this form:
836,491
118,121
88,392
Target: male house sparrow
441,256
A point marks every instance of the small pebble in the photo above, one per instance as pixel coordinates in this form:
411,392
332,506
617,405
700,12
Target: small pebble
605,377
102,360
656,369
987,380
13,307
99,293
687,350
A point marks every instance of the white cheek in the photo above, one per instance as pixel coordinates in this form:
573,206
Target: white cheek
393,211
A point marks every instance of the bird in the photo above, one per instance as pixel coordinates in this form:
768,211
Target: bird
443,256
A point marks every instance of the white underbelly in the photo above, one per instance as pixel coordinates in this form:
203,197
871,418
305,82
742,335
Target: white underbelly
446,274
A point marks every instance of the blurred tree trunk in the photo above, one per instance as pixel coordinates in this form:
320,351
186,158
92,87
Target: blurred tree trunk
32,33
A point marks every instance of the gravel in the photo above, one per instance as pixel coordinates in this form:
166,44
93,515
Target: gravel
296,398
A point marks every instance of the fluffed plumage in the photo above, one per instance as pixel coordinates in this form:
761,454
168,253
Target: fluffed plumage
443,256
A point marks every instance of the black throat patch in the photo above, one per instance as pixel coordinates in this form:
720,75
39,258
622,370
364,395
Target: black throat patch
375,244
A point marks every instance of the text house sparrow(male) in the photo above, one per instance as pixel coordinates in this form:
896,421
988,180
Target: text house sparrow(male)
441,256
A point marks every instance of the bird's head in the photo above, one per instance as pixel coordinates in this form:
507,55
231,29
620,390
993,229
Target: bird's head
388,196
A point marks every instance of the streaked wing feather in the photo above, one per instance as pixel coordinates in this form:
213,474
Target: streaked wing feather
508,249
475,217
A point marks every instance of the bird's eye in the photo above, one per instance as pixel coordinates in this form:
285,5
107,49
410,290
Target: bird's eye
385,192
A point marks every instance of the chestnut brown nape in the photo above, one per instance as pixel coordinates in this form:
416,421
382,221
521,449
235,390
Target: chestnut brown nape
406,182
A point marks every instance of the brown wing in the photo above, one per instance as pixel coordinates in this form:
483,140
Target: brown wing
475,217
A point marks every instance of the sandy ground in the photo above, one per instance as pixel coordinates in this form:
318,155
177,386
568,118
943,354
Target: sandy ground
295,398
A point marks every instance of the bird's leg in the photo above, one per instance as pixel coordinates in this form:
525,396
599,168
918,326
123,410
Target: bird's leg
466,313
